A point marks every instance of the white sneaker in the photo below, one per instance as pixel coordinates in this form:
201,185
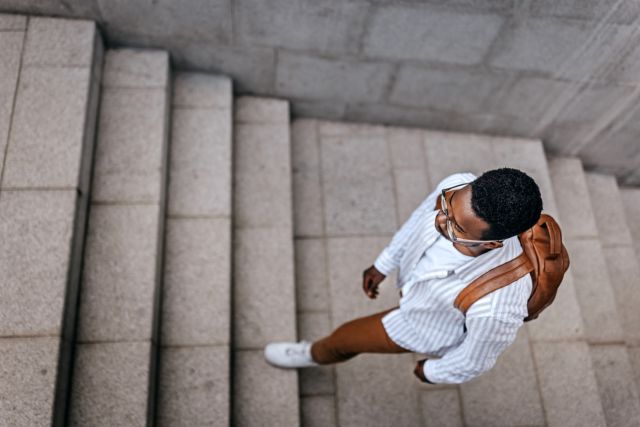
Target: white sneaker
289,354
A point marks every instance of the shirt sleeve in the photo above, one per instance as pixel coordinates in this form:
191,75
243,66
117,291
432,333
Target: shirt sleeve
486,339
389,259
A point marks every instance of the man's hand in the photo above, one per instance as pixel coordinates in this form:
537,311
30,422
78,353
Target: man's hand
419,371
371,278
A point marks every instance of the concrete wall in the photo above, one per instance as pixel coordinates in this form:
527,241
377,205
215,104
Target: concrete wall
566,71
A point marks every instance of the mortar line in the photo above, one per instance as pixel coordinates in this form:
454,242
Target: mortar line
124,203
114,341
30,336
274,77
196,108
52,66
233,12
342,236
372,11
16,189
203,217
322,394
186,346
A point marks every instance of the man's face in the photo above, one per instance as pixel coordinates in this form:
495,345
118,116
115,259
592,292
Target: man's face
465,223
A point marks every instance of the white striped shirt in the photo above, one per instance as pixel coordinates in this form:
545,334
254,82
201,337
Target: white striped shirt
427,321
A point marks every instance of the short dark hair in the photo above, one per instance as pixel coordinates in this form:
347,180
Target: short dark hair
508,200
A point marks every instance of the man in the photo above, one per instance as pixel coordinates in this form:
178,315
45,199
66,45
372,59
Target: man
465,228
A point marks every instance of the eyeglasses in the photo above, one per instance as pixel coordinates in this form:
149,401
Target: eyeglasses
445,210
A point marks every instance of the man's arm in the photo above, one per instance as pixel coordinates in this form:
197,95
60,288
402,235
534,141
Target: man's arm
487,338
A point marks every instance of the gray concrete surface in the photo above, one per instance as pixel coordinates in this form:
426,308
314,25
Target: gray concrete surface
617,244
194,379
111,383
29,367
604,309
588,265
119,306
264,302
410,63
569,373
50,75
330,266
194,386
616,384
631,202
12,42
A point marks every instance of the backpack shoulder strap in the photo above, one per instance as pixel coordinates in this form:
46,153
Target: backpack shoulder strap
493,280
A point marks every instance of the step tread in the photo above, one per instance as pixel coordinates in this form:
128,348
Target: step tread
132,126
601,292
631,201
617,245
119,300
136,68
50,108
47,146
618,390
608,210
593,287
264,290
568,384
59,42
10,54
10,22
194,378
194,386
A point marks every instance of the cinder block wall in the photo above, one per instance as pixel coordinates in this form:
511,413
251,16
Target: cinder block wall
565,71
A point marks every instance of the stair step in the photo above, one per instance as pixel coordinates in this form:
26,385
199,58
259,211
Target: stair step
590,248
568,385
514,378
618,385
618,390
264,290
49,71
13,28
588,267
114,375
329,257
617,245
631,202
520,364
194,375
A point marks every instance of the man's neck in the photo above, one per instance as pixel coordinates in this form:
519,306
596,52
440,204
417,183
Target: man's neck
473,251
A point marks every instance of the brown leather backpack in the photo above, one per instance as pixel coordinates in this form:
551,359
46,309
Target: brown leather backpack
544,256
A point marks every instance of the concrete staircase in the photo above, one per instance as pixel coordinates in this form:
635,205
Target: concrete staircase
158,233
